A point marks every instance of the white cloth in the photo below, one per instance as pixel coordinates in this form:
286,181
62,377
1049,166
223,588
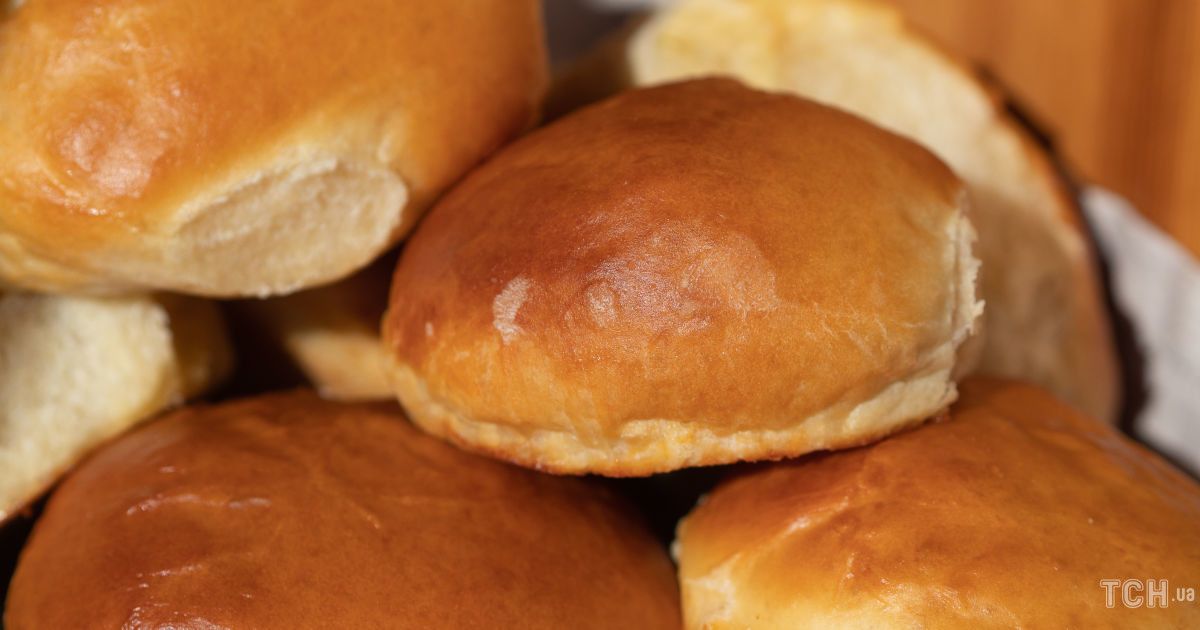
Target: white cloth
1157,284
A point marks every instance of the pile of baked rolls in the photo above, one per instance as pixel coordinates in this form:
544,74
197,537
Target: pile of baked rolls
787,235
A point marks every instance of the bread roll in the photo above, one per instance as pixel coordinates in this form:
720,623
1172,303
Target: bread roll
1007,514
1046,320
287,511
235,148
76,371
330,333
681,276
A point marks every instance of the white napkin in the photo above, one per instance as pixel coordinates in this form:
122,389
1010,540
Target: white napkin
1157,285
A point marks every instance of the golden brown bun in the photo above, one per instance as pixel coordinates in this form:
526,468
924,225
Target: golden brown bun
75,371
1045,318
1007,515
288,511
229,147
330,333
686,275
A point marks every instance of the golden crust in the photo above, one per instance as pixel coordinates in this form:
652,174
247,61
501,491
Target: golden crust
1008,514
233,148
289,511
1046,319
685,275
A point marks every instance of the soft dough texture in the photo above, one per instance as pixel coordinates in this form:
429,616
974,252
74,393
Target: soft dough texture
229,147
286,511
330,333
685,275
76,371
1008,514
1046,319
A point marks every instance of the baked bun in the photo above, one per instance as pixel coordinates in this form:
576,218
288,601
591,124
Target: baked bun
1008,514
234,148
1045,320
687,275
288,511
330,334
75,371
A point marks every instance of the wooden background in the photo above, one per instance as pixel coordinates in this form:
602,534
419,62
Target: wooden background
1117,82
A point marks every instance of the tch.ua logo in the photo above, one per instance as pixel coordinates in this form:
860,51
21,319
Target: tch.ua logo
1147,593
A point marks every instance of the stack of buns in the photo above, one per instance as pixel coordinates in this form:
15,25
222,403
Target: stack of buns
224,149
783,233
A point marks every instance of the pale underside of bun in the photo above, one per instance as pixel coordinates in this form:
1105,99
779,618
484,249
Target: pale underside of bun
234,149
686,275
76,371
1008,514
264,232
1045,319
